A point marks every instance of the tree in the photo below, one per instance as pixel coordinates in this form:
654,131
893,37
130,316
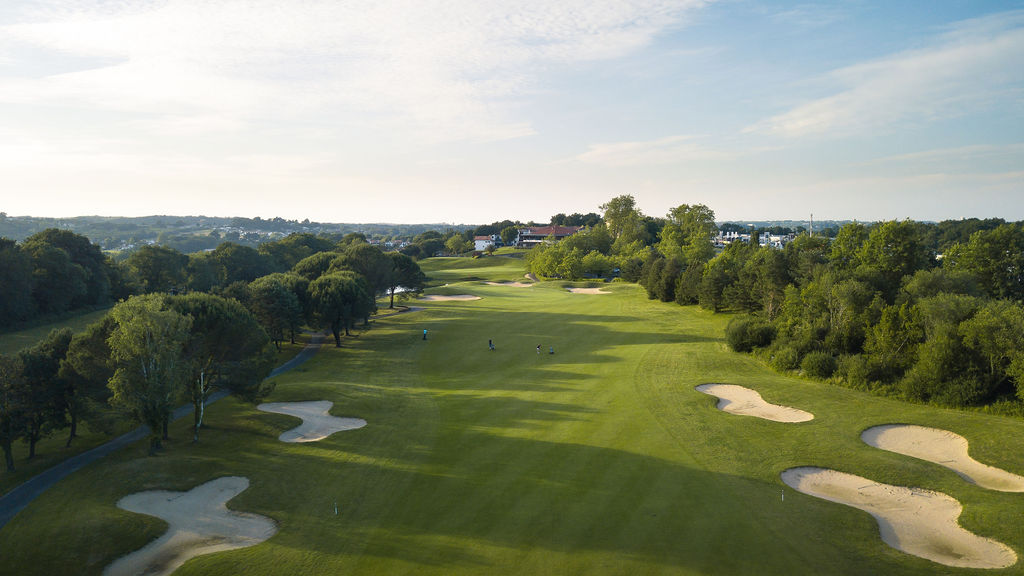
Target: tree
687,234
405,273
85,371
12,376
275,305
509,234
43,394
148,348
15,283
226,348
56,280
894,250
155,268
995,258
456,244
240,263
338,299
83,254
316,265
370,262
623,219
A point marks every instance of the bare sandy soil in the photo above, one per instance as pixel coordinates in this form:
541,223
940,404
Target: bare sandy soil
912,520
587,291
943,448
199,523
746,402
511,284
317,423
440,298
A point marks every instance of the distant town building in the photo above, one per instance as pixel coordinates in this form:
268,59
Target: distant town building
480,243
530,237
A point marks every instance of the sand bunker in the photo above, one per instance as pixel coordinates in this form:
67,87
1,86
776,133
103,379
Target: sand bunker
440,298
943,448
317,423
746,402
915,521
199,523
511,284
587,291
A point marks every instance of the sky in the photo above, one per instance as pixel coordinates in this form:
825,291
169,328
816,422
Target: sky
470,112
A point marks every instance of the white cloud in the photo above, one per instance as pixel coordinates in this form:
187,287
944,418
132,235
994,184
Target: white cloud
663,151
976,65
439,70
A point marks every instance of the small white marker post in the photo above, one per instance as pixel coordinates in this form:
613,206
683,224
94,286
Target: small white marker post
335,508
783,495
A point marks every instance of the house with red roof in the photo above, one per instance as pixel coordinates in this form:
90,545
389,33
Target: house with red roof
530,237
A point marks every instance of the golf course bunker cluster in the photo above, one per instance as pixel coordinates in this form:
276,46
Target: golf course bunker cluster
746,402
198,523
317,423
915,521
944,448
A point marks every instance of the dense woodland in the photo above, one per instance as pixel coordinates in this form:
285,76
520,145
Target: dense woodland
927,312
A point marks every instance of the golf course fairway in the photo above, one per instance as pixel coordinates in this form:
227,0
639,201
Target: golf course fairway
598,458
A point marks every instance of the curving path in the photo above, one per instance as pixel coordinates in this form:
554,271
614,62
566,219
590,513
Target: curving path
20,497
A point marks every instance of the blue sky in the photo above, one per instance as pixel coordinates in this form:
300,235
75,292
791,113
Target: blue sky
471,112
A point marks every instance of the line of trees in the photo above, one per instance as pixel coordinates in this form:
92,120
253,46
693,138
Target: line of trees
875,308
196,323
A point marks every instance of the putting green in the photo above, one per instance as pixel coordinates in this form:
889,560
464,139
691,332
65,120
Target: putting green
599,459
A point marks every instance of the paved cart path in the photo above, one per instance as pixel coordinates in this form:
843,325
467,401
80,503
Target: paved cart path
20,497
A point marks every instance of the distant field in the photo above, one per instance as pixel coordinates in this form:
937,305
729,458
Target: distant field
598,459
11,342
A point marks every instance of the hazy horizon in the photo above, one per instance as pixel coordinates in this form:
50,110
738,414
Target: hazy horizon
454,111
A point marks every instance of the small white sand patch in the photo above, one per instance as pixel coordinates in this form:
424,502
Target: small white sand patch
440,298
944,448
199,523
587,291
746,402
510,284
915,521
317,423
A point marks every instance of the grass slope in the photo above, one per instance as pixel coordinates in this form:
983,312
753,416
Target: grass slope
599,459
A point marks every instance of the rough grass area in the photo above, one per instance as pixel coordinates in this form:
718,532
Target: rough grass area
599,459
11,342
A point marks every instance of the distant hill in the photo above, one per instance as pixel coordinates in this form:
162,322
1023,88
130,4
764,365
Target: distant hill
196,233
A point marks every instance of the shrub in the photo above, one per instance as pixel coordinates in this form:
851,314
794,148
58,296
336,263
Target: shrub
818,365
785,358
743,334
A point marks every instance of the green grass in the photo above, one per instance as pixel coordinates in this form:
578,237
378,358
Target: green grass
12,342
599,459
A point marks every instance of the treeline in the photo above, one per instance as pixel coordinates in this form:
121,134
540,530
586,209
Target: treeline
876,308
191,324
622,241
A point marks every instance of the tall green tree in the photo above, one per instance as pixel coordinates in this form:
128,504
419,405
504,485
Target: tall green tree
338,299
148,349
85,255
405,273
16,302
275,305
623,219
44,390
154,268
225,349
12,405
85,372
